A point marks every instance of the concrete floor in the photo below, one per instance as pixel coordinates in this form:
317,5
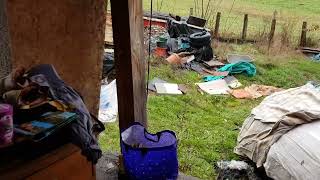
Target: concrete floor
108,168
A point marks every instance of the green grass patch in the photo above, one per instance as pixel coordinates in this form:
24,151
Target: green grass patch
207,126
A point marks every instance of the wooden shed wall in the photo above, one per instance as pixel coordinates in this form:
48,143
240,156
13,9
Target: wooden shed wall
66,33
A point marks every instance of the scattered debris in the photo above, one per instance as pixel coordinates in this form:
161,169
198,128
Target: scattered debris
214,87
183,88
232,82
156,32
316,57
254,91
108,63
240,67
307,50
213,63
235,58
241,94
108,109
196,21
181,58
235,170
167,88
212,78
161,52
216,73
151,84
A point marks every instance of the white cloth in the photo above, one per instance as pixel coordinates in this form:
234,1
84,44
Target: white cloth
278,104
108,110
296,154
274,117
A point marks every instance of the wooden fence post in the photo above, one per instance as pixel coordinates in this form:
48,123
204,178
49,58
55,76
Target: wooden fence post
303,40
272,31
191,12
245,28
216,29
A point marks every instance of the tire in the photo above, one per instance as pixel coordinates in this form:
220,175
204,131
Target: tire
200,39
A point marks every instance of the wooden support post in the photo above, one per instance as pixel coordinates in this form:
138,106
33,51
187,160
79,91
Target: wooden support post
127,26
272,31
245,28
202,9
303,40
191,12
216,29
5,62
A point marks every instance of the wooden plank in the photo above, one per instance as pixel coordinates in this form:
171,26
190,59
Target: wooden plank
129,61
303,39
72,167
24,170
108,37
245,28
216,29
5,62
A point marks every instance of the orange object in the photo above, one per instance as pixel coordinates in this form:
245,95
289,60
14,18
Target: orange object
161,52
174,59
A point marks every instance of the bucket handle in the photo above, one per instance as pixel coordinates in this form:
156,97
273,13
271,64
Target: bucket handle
158,135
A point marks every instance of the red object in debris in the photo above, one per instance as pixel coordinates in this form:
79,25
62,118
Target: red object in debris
154,22
161,52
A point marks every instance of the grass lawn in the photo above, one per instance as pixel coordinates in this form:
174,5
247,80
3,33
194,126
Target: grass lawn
207,126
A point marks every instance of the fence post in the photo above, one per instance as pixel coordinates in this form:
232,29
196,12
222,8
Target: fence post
245,28
272,31
191,12
303,40
216,29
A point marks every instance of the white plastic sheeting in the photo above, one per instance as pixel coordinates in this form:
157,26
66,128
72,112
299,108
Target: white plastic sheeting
296,154
108,110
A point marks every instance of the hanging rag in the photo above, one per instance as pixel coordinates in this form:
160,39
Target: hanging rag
240,67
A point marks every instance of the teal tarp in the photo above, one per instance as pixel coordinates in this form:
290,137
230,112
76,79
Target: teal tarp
236,68
240,67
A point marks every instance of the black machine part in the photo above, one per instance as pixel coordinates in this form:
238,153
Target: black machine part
200,39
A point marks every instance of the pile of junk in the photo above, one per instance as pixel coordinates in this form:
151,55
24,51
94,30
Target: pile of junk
175,35
40,112
181,39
